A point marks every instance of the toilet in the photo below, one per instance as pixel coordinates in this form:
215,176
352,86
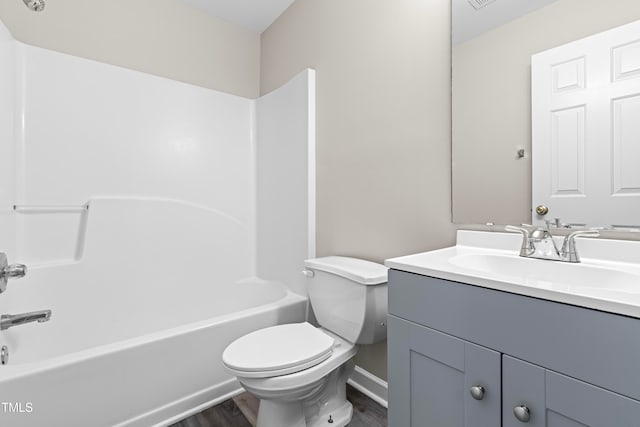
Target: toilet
299,371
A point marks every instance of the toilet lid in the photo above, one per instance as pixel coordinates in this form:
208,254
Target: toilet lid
278,350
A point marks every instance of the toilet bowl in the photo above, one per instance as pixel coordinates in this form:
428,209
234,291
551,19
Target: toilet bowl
299,371
300,389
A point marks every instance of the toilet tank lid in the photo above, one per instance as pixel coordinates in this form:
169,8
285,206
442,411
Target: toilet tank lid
358,270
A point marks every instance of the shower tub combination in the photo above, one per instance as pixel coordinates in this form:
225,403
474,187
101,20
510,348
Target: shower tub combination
139,343
143,208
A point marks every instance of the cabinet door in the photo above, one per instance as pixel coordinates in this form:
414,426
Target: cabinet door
555,400
431,375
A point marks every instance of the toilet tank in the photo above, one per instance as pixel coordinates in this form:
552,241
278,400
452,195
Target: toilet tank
349,297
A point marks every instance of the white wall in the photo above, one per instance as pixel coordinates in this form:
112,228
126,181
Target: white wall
286,232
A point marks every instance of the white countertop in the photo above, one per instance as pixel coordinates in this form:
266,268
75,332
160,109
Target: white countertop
607,279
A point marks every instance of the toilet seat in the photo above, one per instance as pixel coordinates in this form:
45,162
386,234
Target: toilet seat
278,350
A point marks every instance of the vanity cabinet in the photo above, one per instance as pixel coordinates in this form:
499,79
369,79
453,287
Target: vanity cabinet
556,400
432,376
462,355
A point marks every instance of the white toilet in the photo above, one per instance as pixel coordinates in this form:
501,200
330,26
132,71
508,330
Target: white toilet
298,371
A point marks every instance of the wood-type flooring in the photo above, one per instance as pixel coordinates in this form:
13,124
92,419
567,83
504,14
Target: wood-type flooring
241,411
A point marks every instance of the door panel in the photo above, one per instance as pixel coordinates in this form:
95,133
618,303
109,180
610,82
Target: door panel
589,405
430,376
556,420
522,384
436,393
555,400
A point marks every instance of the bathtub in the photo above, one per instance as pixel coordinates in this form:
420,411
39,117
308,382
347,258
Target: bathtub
136,334
156,378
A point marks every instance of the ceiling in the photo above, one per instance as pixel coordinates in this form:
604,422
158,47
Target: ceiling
469,22
255,15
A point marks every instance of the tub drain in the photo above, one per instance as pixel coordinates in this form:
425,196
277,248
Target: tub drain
4,355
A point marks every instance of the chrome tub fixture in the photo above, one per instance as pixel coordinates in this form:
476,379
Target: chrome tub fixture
35,5
13,271
10,320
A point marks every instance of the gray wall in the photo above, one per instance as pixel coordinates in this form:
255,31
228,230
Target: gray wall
383,123
162,37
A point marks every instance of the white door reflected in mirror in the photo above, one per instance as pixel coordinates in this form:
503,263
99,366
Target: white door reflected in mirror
586,130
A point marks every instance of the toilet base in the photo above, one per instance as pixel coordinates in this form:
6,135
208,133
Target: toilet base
272,413
326,405
340,417
278,414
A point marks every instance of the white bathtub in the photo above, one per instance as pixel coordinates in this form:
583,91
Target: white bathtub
138,326
155,378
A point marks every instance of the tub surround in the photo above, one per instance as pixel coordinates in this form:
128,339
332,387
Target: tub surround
286,180
133,201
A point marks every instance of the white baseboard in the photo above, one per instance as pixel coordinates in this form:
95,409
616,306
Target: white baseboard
370,385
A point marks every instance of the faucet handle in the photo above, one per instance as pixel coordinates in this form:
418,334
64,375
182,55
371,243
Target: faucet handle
524,231
8,271
15,271
584,233
525,247
569,252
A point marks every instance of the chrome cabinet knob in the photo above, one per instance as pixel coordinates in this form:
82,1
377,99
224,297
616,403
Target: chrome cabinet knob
477,392
522,413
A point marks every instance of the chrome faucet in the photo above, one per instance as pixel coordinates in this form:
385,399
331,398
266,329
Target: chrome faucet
537,242
10,320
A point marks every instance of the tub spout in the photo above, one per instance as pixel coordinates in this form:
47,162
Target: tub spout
9,320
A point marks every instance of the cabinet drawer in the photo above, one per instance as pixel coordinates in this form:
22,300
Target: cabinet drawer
596,347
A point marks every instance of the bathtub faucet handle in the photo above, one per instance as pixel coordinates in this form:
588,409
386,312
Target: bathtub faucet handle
13,271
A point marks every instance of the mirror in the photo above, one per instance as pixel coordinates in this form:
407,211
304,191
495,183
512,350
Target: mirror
492,44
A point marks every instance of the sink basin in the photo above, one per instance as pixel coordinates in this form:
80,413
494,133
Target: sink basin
556,275
607,279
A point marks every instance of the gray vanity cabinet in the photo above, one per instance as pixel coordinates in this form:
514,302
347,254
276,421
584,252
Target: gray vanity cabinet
555,400
433,375
550,364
